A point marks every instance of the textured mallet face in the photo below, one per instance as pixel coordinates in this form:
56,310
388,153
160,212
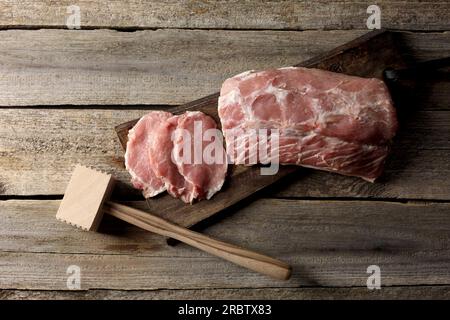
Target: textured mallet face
82,203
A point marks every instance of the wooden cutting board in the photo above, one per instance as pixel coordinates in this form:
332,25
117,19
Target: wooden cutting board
366,56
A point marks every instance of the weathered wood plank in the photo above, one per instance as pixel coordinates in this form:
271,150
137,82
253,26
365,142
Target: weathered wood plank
104,67
54,67
416,15
391,293
329,243
30,157
39,148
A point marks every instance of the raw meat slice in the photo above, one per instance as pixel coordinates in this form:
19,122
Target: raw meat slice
155,149
199,154
137,154
161,160
325,120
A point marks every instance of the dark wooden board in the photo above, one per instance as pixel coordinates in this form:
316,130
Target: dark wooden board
366,56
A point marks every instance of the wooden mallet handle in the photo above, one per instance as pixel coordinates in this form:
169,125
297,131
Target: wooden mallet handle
246,258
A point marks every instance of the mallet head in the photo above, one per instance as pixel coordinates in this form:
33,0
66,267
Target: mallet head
82,204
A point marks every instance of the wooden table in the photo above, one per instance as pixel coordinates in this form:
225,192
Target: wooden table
63,91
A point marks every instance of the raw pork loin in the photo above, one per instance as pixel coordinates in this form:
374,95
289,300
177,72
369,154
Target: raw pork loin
154,156
325,120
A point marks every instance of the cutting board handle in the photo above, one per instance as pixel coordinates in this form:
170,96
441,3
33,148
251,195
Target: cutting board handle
245,258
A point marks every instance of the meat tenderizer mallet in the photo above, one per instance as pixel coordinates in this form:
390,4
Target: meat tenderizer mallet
86,199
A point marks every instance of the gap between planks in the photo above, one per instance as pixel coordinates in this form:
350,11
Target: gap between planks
137,29
263,195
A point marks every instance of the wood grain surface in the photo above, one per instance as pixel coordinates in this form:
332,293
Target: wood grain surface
162,67
391,293
235,14
63,91
106,67
328,243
